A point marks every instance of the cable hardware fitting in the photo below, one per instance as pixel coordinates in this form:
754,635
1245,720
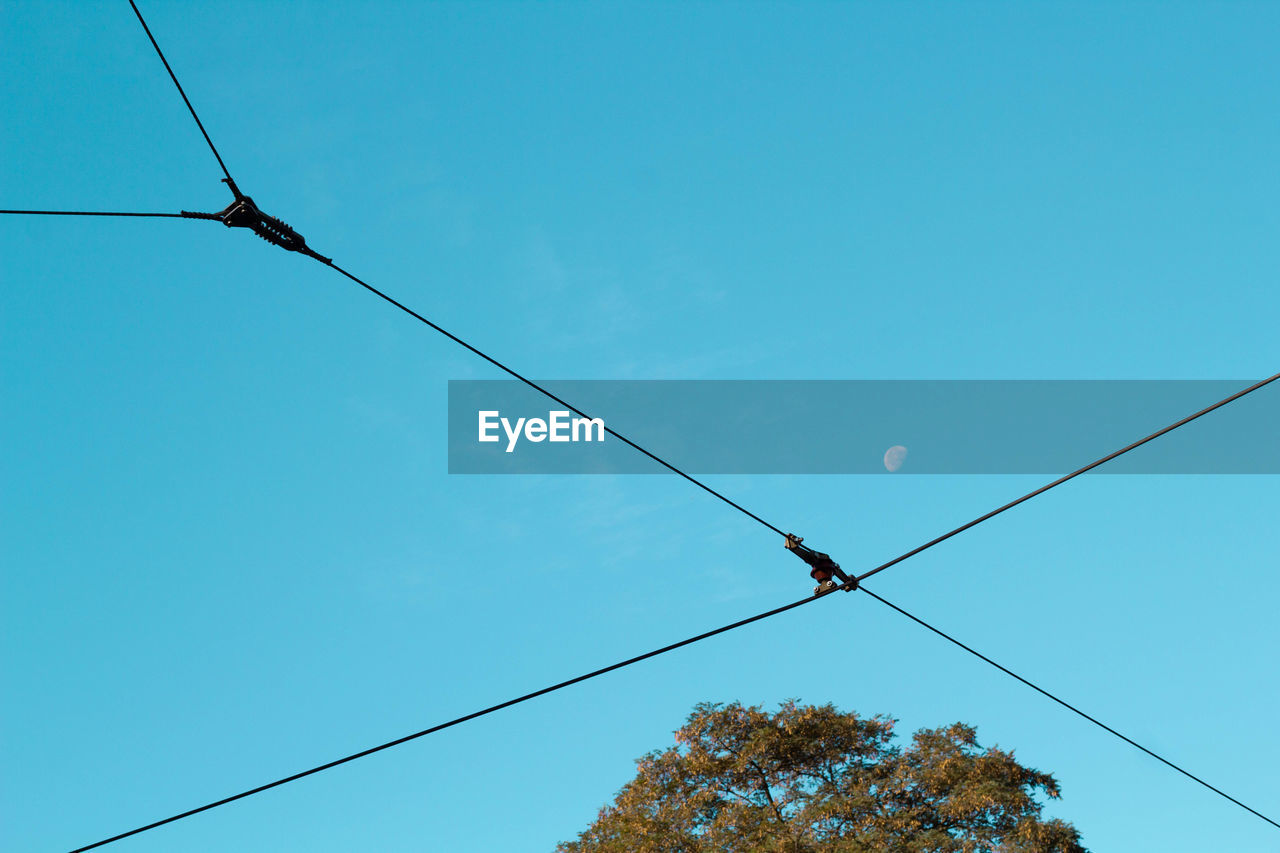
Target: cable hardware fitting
823,567
243,213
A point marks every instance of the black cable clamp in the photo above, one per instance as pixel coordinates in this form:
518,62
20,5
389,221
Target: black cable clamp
243,213
823,567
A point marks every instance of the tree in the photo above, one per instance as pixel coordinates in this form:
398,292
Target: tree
810,779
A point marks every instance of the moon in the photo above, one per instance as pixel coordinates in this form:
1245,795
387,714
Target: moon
894,457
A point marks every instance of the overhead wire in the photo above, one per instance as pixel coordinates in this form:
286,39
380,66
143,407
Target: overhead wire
724,629
87,213
492,708
1076,473
181,91
1068,705
542,390
637,659
674,469
522,378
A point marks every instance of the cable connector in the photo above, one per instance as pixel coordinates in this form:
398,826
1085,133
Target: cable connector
243,213
823,568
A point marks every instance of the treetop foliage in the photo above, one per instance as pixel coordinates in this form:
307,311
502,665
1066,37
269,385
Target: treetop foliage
811,779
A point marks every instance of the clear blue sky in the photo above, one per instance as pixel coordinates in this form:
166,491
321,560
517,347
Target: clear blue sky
231,549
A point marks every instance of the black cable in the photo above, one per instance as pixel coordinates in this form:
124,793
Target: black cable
174,77
672,468
1058,482
707,634
628,662
686,476
1068,706
535,386
86,213
752,515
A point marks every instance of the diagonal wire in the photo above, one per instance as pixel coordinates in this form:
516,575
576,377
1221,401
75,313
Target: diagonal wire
690,640
1058,482
752,515
686,476
542,390
526,697
628,662
174,77
1068,706
86,213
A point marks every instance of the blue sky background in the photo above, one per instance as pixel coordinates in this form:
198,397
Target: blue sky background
231,548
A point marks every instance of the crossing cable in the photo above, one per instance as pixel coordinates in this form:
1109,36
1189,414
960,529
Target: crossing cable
328,262
1058,482
86,213
624,439
501,705
535,386
174,78
628,662
690,640
230,182
1068,706
708,634
300,246
926,546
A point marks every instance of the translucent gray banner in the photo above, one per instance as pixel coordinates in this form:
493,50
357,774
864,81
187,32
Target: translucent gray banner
860,427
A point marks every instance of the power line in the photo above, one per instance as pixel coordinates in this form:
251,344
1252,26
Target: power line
445,332
1058,482
542,390
526,697
648,453
913,552
87,213
708,634
174,77
752,515
1068,706
637,659
688,477
717,631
